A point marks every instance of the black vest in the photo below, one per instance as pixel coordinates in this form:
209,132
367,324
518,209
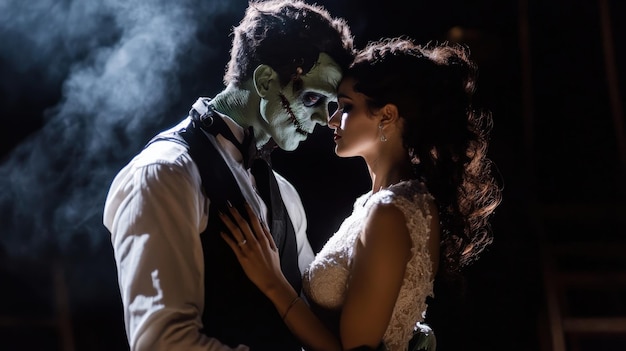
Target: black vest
235,310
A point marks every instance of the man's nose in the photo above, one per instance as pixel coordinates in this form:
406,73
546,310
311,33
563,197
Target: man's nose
331,110
320,118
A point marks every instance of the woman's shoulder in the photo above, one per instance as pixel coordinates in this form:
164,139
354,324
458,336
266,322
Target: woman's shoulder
412,199
407,192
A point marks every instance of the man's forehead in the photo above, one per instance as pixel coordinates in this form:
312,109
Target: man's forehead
325,72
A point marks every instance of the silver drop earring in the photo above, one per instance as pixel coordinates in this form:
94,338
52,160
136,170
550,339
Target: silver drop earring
383,138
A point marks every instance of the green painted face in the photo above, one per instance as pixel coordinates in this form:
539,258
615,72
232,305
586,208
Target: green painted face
292,115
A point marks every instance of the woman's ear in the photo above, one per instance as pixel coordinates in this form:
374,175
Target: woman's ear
264,77
389,114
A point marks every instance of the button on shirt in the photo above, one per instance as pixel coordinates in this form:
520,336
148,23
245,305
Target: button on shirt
155,212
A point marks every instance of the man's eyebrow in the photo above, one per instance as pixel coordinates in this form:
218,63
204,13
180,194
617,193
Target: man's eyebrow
343,96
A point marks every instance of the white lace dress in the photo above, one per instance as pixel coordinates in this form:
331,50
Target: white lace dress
326,280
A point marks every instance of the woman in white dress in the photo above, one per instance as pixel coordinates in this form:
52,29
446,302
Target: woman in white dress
407,110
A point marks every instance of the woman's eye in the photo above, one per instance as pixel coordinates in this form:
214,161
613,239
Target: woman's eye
311,99
346,108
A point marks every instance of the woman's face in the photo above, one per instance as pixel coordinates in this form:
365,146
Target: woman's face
356,128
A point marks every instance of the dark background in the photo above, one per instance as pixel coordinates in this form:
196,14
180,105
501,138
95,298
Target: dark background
84,84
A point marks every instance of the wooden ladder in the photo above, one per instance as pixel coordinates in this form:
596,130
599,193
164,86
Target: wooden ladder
584,275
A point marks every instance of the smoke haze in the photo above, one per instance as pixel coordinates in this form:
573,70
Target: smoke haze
120,66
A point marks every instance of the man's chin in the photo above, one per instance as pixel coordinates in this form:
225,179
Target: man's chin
291,144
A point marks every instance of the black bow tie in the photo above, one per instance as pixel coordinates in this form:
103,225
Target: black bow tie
249,151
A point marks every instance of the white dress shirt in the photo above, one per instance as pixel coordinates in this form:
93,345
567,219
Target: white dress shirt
155,212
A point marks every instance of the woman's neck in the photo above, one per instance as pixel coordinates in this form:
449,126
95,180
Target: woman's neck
383,178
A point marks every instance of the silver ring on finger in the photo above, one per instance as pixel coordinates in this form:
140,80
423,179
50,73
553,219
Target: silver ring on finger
243,242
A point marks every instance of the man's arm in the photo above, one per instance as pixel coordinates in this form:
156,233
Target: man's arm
154,212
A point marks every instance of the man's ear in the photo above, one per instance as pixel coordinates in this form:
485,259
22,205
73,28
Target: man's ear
264,77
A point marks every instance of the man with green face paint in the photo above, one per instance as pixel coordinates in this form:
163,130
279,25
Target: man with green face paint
181,286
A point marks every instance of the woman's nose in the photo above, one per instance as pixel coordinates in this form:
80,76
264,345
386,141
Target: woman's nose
333,120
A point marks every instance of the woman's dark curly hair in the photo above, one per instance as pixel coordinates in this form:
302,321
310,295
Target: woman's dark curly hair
286,34
432,86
